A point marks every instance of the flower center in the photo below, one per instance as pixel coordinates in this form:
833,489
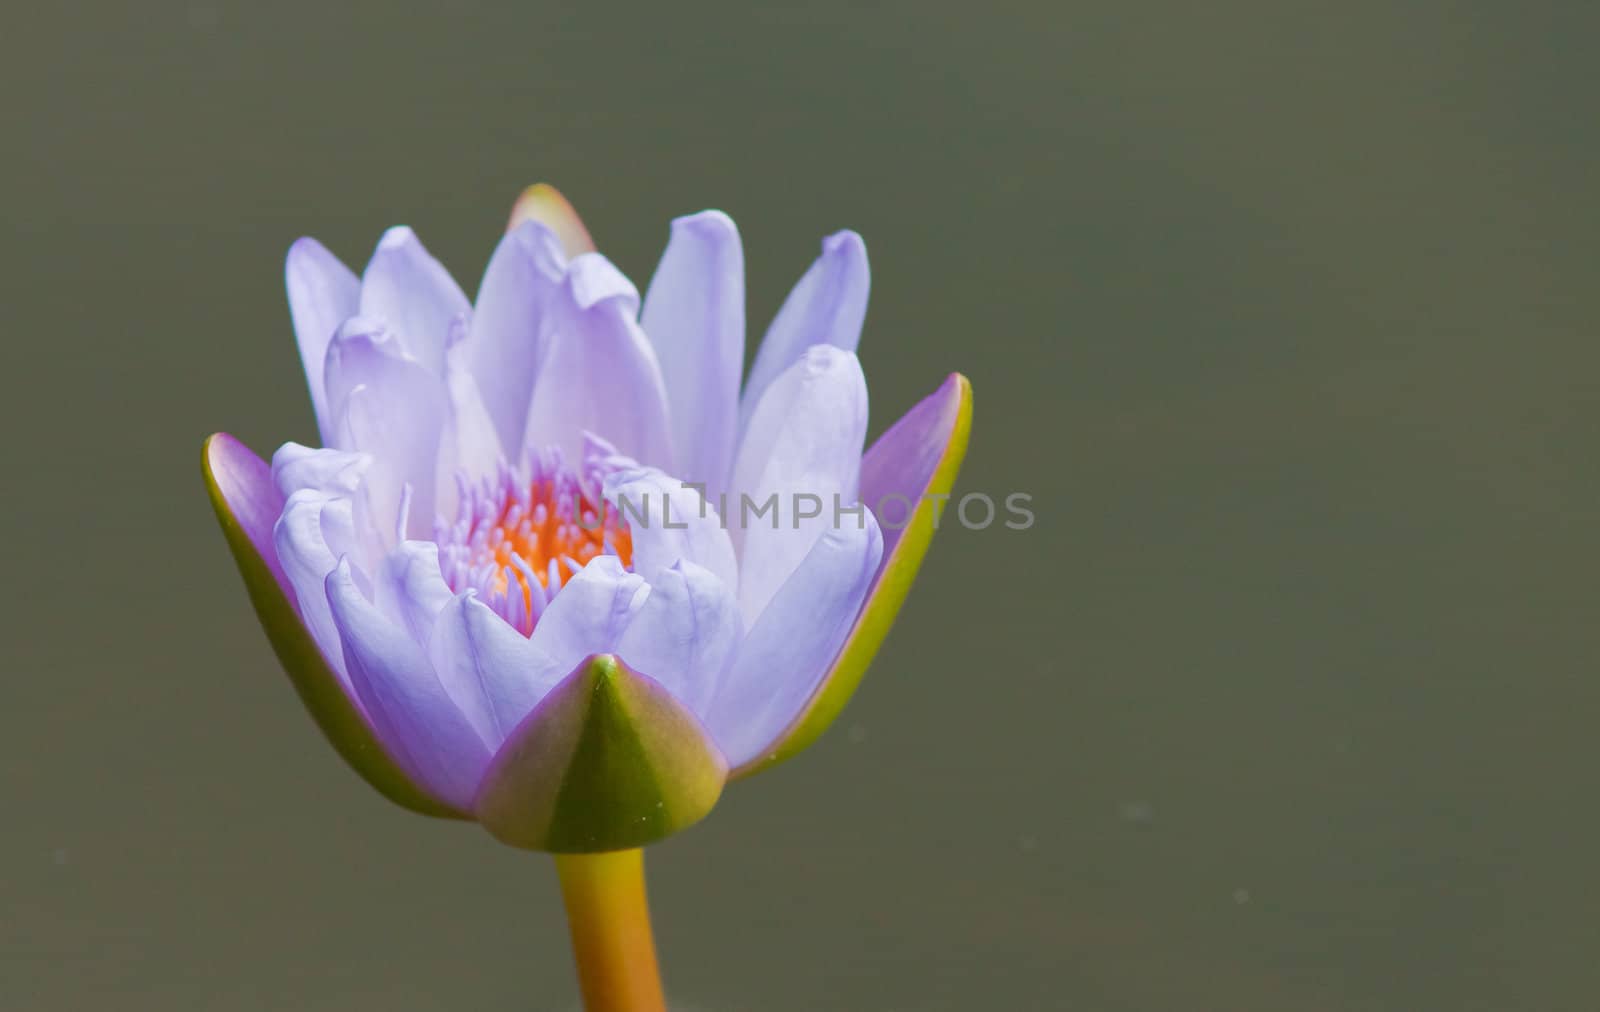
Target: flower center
514,535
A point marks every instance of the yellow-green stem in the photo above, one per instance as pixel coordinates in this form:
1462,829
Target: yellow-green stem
611,941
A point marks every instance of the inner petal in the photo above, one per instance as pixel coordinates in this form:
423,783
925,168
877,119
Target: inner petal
519,535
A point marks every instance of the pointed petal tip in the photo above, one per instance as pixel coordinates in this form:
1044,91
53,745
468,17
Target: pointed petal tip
608,760
396,236
845,242
544,203
302,247
216,446
241,490
710,222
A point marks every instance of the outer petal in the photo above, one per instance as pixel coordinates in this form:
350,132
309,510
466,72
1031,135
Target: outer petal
917,459
827,306
685,633
805,440
247,506
543,203
669,522
607,761
517,302
322,293
787,652
600,374
413,293
590,613
410,709
494,672
694,314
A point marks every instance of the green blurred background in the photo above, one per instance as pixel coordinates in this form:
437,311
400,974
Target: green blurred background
1284,313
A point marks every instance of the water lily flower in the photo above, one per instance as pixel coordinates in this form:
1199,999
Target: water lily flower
516,585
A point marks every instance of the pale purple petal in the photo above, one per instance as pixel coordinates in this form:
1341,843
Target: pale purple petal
827,306
685,634
694,315
790,648
410,590
410,710
516,304
409,290
670,522
495,673
600,374
469,446
247,486
322,293
896,469
390,406
336,472
803,446
313,533
590,613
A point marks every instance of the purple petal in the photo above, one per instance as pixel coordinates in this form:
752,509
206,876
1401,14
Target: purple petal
668,522
409,290
790,648
410,590
685,634
827,306
323,293
390,406
600,374
335,472
590,613
897,469
804,440
694,315
412,713
514,310
315,530
918,458
469,445
495,674
246,485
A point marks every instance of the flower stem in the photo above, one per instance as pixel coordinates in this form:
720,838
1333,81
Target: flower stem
611,940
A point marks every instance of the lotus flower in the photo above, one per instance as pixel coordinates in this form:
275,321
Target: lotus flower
461,584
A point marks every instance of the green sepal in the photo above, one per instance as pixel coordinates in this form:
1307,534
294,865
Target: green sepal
898,572
238,482
607,761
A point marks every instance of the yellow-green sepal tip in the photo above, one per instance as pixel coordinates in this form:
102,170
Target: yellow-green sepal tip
607,761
